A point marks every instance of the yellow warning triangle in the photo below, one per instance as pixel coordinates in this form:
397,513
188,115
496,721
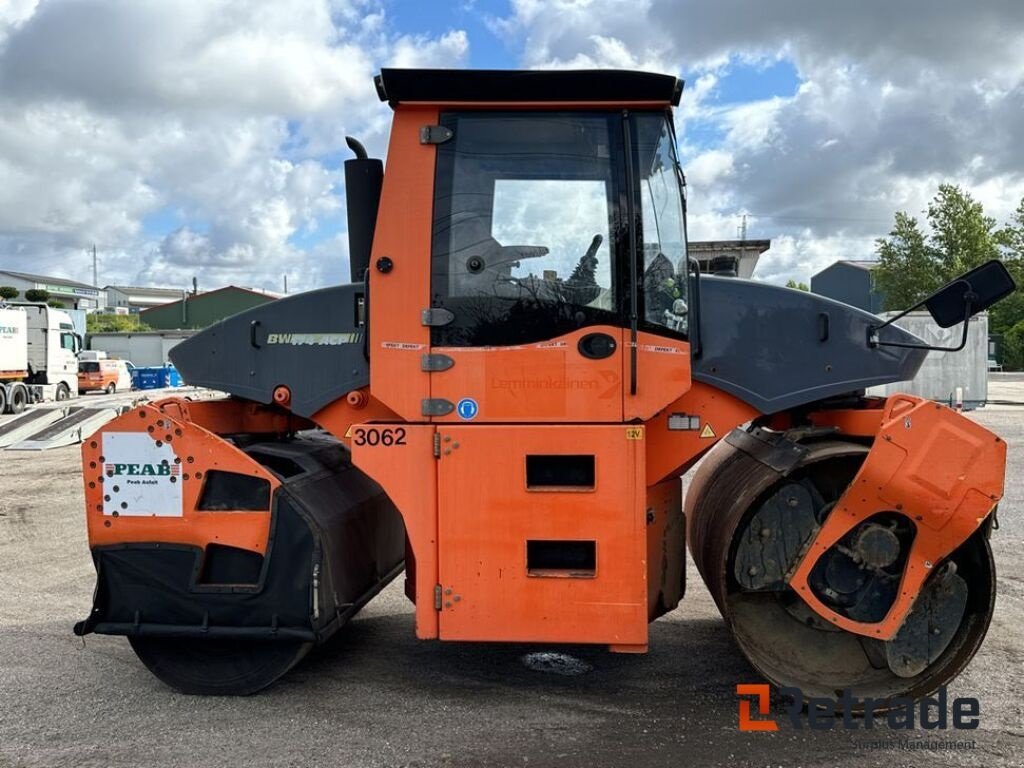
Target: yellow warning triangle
707,432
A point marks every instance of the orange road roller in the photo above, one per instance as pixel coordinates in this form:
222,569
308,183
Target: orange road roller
500,406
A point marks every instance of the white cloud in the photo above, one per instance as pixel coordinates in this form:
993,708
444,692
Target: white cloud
226,118
895,98
212,115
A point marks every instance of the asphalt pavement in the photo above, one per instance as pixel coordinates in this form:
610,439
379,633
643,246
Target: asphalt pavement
376,696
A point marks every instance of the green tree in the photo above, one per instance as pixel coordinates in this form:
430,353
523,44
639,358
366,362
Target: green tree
97,323
1011,237
962,235
913,264
56,304
37,294
797,286
8,292
907,268
1010,311
1013,346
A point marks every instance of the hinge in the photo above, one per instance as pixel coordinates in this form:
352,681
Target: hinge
437,406
436,316
437,445
437,597
432,363
435,134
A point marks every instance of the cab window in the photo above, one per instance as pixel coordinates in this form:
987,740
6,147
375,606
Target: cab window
526,221
665,272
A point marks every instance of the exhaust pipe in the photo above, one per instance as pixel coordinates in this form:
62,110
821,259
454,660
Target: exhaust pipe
363,179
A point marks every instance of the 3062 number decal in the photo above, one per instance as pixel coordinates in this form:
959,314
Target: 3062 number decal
385,437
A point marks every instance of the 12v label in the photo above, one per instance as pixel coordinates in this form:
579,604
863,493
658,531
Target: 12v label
141,479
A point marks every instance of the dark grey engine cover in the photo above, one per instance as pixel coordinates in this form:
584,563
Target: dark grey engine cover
777,348
310,342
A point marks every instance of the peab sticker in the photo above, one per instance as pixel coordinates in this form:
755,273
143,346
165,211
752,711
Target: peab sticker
141,479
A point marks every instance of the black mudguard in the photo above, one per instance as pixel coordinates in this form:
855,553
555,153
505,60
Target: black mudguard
336,540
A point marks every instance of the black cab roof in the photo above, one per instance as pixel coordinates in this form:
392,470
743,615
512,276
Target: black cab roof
498,85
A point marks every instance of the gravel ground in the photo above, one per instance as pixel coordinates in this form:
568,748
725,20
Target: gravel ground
378,697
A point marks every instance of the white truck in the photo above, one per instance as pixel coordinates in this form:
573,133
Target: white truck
38,356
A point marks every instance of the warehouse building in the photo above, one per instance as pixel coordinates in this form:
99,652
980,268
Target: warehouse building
852,282
203,309
70,293
732,257
142,348
135,298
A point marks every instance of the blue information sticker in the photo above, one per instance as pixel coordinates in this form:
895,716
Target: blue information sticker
467,408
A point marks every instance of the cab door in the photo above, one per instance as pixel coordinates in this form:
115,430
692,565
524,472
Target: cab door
527,270
658,371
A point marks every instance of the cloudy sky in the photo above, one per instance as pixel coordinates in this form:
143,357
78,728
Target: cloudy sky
205,137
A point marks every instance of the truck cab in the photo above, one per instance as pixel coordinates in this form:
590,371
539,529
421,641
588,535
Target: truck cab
38,355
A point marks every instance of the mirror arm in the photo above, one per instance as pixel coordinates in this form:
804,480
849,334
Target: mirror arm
969,296
873,330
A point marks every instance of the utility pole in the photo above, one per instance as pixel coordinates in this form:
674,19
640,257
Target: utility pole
743,227
95,272
286,285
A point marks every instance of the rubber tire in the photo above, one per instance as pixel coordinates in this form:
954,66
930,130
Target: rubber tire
218,667
18,400
111,388
3,399
63,393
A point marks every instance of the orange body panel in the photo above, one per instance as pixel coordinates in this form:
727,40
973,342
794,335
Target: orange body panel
546,381
854,422
487,514
671,452
408,473
938,468
231,416
339,417
194,451
663,374
397,336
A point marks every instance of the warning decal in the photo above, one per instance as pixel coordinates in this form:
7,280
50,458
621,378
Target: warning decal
707,432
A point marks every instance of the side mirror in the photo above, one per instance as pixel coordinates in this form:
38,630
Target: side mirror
969,294
956,302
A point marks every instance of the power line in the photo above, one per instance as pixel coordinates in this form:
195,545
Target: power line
775,217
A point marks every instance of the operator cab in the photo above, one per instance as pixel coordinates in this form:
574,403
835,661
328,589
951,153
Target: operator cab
531,230
557,223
